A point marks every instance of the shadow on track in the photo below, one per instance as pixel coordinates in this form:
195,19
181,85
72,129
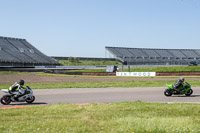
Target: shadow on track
187,96
24,104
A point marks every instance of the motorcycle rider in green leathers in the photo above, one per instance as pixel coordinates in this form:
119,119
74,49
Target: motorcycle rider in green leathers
178,84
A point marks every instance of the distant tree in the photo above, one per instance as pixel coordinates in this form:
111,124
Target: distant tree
76,59
71,59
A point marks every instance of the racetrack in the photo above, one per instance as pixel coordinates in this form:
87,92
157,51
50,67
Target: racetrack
106,95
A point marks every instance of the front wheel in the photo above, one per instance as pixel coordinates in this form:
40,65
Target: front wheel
30,99
189,92
5,100
167,92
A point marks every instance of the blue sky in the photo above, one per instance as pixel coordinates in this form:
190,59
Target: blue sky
82,28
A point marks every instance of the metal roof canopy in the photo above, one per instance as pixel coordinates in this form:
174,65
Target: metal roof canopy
154,55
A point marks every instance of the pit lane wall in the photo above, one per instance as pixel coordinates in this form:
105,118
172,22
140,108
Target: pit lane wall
145,74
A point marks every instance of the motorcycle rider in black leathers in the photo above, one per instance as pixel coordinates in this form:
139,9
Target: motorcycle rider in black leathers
178,84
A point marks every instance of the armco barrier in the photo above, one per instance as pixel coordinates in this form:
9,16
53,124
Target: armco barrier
177,73
81,73
99,74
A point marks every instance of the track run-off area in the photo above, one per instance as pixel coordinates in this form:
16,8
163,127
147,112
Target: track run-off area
105,95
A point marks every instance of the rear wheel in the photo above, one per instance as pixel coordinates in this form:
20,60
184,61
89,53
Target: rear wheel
167,92
30,99
188,93
5,100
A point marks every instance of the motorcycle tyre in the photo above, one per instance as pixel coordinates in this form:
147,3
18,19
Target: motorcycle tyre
167,92
30,100
5,102
190,92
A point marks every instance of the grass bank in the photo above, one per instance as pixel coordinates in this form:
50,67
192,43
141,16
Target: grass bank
88,63
194,83
12,72
167,69
124,117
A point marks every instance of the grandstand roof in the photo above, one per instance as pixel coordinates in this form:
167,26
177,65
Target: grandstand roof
19,51
150,52
154,56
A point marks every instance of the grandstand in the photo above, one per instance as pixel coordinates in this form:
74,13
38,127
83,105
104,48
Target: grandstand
17,52
148,56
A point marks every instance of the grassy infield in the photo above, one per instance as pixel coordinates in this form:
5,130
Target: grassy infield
110,118
124,117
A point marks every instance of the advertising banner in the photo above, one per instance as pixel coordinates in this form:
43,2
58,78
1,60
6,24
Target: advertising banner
135,73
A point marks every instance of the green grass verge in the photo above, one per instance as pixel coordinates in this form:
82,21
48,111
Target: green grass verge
88,70
194,83
164,69
123,117
12,72
88,63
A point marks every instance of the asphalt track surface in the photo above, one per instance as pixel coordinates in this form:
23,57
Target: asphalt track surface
105,95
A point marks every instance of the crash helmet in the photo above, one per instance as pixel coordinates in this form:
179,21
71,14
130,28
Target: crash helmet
182,79
21,82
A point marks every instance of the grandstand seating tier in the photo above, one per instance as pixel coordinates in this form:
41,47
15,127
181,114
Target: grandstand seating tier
19,52
143,56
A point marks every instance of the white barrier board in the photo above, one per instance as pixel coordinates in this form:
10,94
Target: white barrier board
135,73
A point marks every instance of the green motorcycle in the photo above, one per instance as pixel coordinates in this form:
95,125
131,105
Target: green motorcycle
184,89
